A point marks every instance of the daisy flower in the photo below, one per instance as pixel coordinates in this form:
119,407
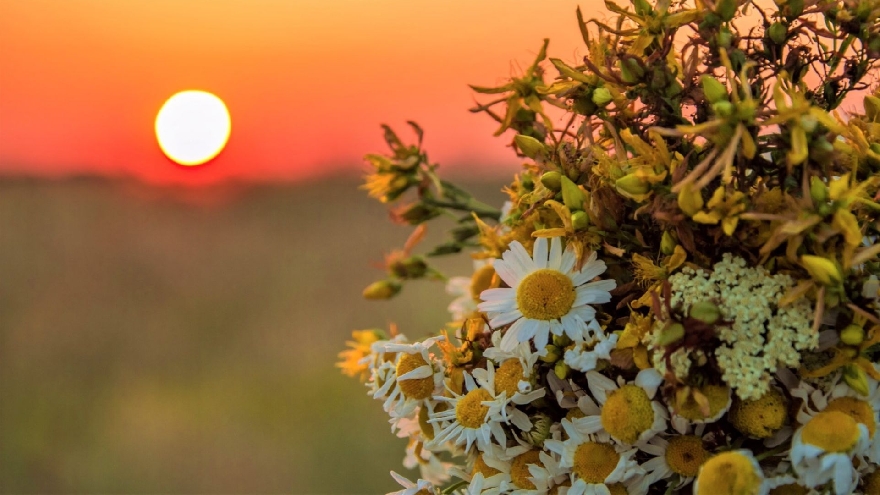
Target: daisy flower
628,412
417,375
734,471
822,450
490,470
718,397
676,458
421,487
595,461
466,290
474,417
545,475
506,382
585,356
546,293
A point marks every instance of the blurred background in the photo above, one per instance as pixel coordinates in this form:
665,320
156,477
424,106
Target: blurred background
174,329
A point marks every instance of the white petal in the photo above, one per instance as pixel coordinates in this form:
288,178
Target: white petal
420,372
600,385
519,258
500,294
590,271
597,292
649,379
569,258
542,333
504,318
555,260
507,273
539,252
515,334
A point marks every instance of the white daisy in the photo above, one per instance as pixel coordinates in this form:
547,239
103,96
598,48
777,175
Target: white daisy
421,487
475,417
416,377
595,461
734,471
585,356
545,475
822,450
505,382
490,470
521,353
546,294
466,290
626,411
677,458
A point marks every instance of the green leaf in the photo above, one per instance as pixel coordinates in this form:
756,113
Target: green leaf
569,72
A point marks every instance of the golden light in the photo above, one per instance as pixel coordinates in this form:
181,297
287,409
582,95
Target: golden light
192,127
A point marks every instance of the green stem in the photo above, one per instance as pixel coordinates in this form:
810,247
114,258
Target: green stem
482,210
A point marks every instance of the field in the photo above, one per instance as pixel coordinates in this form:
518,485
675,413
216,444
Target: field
171,341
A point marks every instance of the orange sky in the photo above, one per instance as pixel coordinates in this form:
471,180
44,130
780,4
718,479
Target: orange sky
307,82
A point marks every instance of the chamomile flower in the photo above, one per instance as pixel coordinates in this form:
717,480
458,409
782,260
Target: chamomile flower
718,398
506,381
734,471
515,367
420,487
680,456
546,293
628,412
822,450
466,290
594,459
490,470
417,375
585,356
545,475
474,417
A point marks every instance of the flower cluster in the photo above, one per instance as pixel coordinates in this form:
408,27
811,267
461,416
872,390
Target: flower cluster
681,294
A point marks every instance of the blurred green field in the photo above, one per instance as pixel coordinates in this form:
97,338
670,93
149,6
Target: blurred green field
183,341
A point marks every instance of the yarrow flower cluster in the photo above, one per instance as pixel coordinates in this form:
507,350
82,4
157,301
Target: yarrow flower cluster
681,294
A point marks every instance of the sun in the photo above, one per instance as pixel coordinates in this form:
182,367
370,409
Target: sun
192,127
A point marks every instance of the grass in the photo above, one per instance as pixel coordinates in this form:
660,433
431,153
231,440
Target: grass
173,341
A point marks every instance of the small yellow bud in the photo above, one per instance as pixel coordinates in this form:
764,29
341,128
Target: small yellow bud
852,335
668,243
671,334
562,370
529,146
705,311
818,190
632,184
690,201
579,220
601,96
553,354
856,378
713,89
383,289
571,194
561,341
552,180
822,269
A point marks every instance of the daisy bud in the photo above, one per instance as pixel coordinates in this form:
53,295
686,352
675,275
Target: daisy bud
601,96
553,354
713,89
856,378
552,180
383,289
632,184
668,243
852,335
777,33
540,431
822,269
561,370
571,194
671,334
579,220
705,311
410,268
529,146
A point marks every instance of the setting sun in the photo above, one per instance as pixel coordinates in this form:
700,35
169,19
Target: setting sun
192,127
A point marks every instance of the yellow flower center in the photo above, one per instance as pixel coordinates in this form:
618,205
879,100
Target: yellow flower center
508,376
685,454
729,473
480,466
469,412
481,280
575,413
627,413
519,469
790,489
545,295
871,483
617,489
416,388
595,461
831,431
858,409
718,397
760,418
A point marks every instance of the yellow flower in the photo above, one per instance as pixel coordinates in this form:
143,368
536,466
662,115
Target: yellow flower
723,208
352,360
636,330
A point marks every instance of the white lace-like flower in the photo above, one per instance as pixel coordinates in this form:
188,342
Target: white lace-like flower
546,294
628,412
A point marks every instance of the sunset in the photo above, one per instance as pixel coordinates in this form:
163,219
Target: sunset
462,247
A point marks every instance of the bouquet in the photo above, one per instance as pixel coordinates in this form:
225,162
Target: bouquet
681,293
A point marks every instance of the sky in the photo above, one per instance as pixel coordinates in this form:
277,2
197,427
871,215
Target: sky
307,82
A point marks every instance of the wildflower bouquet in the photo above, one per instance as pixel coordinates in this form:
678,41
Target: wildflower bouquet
682,292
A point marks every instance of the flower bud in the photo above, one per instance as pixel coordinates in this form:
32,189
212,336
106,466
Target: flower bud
852,335
552,180
671,334
632,184
561,370
872,108
541,424
580,220
822,269
690,201
777,33
601,96
383,289
529,146
713,89
410,268
726,9
571,194
856,378
705,311
553,354
668,243
561,341
818,190
723,108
